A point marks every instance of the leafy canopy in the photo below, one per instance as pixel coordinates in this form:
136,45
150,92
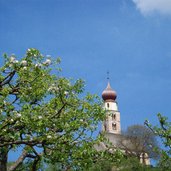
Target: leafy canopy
46,114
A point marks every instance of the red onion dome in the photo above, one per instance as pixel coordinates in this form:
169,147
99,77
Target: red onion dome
109,93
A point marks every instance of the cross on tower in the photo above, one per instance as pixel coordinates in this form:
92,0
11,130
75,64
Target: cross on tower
108,75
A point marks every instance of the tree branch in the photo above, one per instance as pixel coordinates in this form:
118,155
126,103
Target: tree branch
19,161
7,79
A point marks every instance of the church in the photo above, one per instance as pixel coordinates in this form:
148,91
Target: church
112,125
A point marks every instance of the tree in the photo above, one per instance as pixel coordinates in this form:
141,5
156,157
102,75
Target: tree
133,164
46,115
163,130
126,164
139,141
102,161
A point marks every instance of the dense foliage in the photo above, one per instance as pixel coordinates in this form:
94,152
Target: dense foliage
46,115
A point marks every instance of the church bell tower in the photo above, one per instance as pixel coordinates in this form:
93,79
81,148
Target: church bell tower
112,121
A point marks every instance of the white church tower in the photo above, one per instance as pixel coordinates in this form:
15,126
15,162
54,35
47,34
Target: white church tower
112,122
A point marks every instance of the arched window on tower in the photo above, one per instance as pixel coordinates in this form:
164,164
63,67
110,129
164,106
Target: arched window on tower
108,105
113,117
114,126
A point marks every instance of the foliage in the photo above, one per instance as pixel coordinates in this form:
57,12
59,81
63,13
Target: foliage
46,114
126,164
164,132
133,164
53,167
102,161
104,165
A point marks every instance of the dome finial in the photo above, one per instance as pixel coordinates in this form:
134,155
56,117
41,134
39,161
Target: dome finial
109,94
108,75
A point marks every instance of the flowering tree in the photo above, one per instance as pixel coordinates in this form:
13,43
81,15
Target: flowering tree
164,132
45,114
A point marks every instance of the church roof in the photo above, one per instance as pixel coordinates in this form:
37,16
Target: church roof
109,94
114,139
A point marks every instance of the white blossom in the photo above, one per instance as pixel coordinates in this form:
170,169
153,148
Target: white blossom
75,142
66,93
50,88
12,59
40,117
38,65
24,68
18,115
5,103
49,136
12,120
47,62
15,61
24,62
53,88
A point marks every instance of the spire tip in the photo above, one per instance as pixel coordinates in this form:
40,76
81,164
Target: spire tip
108,75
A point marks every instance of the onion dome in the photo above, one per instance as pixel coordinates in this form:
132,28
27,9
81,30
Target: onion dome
109,94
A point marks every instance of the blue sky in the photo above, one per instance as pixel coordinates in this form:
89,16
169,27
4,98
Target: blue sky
129,38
